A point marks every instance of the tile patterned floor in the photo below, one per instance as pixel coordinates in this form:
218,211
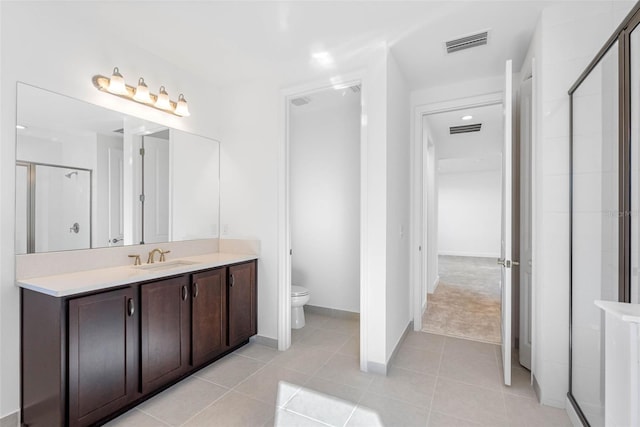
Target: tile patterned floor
434,381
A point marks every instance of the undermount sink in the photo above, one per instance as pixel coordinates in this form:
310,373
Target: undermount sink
165,265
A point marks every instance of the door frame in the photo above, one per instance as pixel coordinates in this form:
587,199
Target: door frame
284,208
419,260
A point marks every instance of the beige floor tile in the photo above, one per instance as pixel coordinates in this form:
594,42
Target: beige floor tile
469,402
332,388
415,359
258,352
520,383
345,326
345,370
298,334
374,409
528,412
274,385
314,320
408,386
289,419
230,370
135,418
325,340
436,419
470,349
302,359
178,403
234,409
424,341
478,371
351,347
321,407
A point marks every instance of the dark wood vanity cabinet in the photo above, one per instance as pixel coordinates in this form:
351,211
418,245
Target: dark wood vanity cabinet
242,303
102,355
87,358
165,325
209,324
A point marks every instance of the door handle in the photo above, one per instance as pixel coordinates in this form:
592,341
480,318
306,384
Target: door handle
231,281
131,308
195,290
506,263
184,293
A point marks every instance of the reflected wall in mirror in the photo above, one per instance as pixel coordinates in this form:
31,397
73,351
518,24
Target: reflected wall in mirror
89,177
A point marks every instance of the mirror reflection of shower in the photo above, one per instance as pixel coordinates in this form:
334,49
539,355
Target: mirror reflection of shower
56,203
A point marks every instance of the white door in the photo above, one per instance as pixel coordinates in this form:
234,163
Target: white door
156,190
115,197
525,223
505,254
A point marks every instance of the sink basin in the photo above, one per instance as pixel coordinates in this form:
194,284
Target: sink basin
165,265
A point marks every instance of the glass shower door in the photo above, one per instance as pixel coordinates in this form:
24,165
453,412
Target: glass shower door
595,222
61,208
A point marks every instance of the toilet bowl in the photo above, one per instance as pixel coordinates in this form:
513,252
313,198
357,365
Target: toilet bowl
299,297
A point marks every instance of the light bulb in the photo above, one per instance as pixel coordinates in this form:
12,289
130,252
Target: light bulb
142,92
116,83
182,109
163,99
467,117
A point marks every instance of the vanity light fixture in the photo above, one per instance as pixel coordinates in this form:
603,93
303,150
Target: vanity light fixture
162,101
116,85
142,92
182,109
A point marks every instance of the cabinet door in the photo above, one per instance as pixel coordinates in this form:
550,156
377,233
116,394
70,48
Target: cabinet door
209,315
242,302
165,316
102,355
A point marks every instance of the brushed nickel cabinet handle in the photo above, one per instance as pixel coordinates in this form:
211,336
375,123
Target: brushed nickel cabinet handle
131,308
184,293
195,290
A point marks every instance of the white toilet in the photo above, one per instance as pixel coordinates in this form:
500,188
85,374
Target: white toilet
299,297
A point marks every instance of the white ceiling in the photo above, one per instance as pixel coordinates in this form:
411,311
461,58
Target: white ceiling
328,98
233,41
479,150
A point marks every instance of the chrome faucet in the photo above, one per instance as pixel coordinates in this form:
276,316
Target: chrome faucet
162,253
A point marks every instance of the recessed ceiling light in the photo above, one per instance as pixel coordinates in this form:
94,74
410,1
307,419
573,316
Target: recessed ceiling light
467,117
20,127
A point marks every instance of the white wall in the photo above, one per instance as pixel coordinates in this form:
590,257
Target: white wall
469,212
566,40
41,46
398,304
325,199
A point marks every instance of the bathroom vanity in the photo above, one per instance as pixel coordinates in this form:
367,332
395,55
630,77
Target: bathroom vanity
98,342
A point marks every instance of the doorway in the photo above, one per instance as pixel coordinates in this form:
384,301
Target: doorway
465,153
355,84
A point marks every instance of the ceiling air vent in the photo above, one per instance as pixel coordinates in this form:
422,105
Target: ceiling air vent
453,130
121,130
467,42
300,101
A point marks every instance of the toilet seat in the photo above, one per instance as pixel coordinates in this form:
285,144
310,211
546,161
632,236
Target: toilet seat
299,291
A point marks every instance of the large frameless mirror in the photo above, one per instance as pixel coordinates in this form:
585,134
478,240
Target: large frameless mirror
89,177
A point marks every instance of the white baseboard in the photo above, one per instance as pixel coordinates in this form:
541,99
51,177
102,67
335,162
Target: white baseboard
434,285
470,254
11,420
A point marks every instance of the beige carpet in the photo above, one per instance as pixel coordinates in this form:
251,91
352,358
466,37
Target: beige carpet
468,309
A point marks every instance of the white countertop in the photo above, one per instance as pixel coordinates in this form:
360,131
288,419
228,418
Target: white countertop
62,285
622,310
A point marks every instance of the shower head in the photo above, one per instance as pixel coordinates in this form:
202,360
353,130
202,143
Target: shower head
68,175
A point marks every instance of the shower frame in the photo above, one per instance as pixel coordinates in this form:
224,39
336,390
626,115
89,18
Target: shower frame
31,200
621,36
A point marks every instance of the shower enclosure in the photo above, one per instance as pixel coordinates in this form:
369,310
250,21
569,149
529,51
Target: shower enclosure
605,238
53,208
